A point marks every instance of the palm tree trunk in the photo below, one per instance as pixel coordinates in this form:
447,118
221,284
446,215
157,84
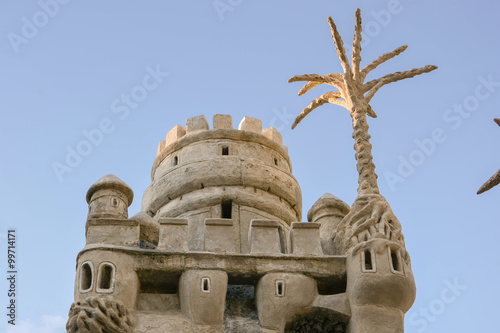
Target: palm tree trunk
367,179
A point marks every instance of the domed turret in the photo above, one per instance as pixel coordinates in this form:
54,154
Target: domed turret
239,174
109,197
329,211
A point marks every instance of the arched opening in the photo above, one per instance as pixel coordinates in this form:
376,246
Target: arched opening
86,272
106,278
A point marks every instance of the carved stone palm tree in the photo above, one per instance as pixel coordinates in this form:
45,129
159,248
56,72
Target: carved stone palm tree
355,95
370,230
370,216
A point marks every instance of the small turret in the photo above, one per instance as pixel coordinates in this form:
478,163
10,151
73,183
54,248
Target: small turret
109,197
329,211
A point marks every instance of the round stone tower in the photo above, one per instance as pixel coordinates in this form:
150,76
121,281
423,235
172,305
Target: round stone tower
109,197
239,174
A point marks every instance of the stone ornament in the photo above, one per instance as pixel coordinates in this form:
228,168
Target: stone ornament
98,315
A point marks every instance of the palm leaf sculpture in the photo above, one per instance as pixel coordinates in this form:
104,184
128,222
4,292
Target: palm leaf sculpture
355,95
495,179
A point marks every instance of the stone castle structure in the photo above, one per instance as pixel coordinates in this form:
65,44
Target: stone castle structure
219,247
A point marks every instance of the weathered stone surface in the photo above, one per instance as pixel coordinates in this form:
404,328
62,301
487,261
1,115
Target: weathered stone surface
113,232
223,121
174,134
149,228
304,239
161,145
173,234
219,235
264,237
198,123
99,315
202,294
273,134
251,124
111,182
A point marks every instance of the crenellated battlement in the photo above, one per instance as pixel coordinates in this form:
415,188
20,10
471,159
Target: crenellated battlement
220,235
220,121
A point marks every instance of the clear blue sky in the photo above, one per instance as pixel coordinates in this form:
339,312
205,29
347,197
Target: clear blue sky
434,140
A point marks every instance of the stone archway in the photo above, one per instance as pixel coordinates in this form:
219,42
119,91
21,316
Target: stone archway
319,321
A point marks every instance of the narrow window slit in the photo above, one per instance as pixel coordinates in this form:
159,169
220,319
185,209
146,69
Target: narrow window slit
395,261
226,209
205,285
280,288
176,160
368,261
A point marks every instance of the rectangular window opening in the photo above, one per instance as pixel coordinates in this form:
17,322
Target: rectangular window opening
85,277
332,285
106,273
280,288
225,150
176,160
395,261
158,282
368,261
205,285
226,209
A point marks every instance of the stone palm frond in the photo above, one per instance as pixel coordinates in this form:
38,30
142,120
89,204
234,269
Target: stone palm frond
495,179
352,93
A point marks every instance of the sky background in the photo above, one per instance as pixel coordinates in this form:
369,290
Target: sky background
434,141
